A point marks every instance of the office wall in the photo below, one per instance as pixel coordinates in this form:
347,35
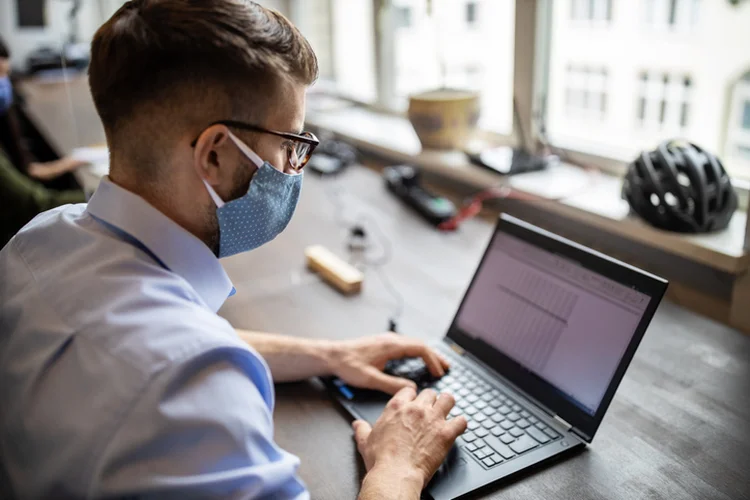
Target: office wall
22,41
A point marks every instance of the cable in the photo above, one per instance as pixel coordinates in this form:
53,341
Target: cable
358,245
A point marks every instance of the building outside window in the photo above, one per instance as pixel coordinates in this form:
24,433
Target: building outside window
586,93
660,84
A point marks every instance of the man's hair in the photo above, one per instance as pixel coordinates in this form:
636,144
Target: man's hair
192,59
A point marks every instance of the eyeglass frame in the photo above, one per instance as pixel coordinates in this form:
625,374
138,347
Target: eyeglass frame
312,141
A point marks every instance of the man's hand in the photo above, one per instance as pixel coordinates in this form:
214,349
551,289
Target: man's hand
407,444
361,362
358,362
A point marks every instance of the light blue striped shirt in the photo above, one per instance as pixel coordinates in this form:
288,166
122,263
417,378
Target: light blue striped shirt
117,377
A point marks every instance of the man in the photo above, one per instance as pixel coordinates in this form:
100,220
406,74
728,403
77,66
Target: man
117,378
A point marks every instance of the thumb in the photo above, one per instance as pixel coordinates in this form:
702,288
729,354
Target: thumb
388,383
362,431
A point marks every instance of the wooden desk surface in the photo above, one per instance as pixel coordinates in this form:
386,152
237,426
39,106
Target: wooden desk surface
678,427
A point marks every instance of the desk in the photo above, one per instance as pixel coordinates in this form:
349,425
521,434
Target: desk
679,426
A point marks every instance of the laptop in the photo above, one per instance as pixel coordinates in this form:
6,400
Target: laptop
538,347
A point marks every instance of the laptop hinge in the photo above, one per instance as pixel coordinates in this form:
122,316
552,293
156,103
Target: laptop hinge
563,422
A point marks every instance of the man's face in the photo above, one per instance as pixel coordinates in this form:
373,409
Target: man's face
286,113
222,164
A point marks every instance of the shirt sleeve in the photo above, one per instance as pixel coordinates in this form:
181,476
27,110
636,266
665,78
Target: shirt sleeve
201,429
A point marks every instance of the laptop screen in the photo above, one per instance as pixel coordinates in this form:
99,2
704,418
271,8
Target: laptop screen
563,322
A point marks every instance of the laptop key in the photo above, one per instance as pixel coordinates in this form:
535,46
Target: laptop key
507,425
480,405
504,410
480,454
507,438
551,433
480,443
471,447
497,431
499,447
513,416
497,418
517,407
487,396
488,424
462,403
533,419
496,458
538,435
480,417
523,423
469,436
489,411
481,432
471,398
463,391
472,425
516,432
525,414
496,403
470,410
523,444
540,426
488,462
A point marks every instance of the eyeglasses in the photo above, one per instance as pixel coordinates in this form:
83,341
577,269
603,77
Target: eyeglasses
299,151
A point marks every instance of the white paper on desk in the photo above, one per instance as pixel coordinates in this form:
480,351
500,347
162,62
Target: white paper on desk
93,155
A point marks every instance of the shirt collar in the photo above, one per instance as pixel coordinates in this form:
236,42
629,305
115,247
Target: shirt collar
177,249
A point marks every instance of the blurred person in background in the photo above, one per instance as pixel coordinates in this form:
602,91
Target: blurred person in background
23,194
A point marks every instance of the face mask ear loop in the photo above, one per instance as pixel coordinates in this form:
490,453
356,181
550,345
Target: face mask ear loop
251,155
219,202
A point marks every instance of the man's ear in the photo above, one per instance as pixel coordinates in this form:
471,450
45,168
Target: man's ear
209,153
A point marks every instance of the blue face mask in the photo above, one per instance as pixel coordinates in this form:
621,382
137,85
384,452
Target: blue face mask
6,94
260,215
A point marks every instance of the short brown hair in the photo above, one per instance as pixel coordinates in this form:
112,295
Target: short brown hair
157,52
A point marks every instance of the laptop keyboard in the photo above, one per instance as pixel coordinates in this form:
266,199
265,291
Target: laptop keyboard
499,429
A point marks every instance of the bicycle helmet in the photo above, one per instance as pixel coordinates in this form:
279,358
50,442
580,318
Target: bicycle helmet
680,187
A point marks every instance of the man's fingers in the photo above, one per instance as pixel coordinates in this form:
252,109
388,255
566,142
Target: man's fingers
362,431
417,348
443,361
389,384
444,403
428,397
457,426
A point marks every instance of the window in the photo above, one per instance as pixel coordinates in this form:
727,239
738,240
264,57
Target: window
591,10
471,13
737,147
657,84
342,32
586,92
402,17
435,51
664,101
671,14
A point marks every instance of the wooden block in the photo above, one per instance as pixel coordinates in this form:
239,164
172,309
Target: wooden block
336,272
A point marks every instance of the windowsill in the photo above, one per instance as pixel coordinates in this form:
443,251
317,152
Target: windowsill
592,199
